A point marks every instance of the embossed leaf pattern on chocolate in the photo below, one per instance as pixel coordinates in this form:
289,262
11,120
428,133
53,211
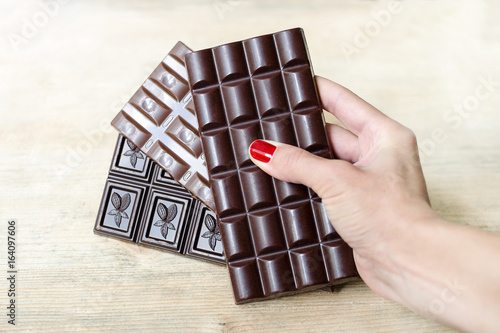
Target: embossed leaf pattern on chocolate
213,233
166,215
134,153
120,204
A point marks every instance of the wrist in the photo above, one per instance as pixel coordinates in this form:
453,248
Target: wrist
444,272
400,265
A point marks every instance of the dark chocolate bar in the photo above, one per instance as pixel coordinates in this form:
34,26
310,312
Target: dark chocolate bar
144,204
160,120
128,213
276,235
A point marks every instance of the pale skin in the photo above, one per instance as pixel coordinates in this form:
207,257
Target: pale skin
376,198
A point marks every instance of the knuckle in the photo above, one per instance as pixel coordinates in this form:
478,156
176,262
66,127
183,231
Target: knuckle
402,134
408,136
293,158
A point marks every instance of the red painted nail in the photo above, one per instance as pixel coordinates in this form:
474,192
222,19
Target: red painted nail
262,151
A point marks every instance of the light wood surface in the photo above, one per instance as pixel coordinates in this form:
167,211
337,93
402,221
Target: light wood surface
72,76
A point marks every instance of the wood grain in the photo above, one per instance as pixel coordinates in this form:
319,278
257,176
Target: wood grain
62,86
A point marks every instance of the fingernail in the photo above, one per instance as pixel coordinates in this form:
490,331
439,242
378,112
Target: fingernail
262,151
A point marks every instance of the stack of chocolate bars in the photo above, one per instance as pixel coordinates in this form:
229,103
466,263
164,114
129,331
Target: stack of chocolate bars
181,178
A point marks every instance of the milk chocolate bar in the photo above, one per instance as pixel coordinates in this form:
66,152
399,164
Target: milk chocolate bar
160,120
276,235
143,204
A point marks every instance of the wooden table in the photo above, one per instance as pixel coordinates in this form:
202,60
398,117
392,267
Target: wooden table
67,68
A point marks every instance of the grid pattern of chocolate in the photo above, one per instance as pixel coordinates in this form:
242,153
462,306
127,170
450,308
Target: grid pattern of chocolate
144,204
160,120
276,235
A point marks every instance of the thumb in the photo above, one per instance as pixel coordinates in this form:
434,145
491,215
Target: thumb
296,165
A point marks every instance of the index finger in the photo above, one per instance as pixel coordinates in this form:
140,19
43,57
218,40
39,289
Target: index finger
354,112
